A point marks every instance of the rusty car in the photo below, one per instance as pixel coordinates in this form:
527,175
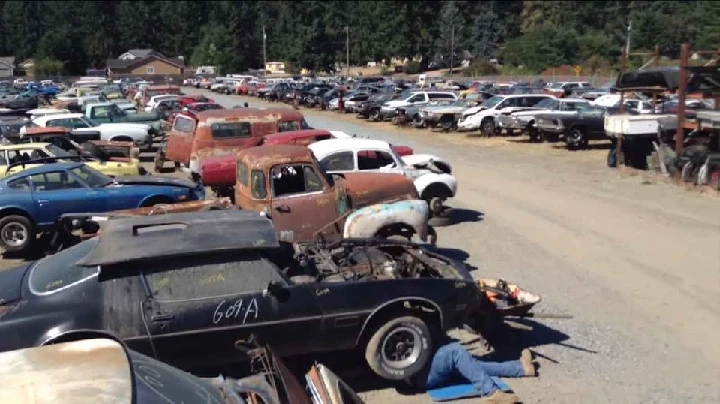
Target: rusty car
105,371
184,288
222,132
288,185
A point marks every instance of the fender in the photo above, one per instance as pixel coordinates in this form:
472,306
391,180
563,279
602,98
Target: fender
51,336
366,222
428,179
400,299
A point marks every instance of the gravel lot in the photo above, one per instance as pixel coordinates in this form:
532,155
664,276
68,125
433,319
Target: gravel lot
633,260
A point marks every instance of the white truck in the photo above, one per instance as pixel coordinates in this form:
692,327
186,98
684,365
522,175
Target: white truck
131,132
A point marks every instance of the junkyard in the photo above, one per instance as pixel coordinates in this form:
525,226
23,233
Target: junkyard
264,237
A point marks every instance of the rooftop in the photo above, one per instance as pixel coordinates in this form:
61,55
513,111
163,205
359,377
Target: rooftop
153,237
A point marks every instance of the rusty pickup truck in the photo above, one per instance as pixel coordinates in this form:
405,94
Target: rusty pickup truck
288,185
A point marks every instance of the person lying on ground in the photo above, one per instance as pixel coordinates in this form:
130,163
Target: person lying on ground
452,362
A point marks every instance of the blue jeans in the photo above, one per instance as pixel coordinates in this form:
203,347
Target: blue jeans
454,360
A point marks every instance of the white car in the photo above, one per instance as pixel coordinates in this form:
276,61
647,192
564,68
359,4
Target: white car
432,176
156,99
607,100
134,132
417,98
38,112
483,116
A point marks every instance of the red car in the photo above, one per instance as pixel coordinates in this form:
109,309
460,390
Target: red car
186,100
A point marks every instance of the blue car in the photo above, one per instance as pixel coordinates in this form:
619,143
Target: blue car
32,200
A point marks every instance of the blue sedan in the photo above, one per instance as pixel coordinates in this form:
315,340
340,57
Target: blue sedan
32,200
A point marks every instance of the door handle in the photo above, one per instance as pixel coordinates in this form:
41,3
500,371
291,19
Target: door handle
43,201
162,317
283,208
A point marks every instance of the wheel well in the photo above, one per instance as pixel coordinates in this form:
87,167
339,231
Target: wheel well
447,117
14,211
424,309
436,189
395,228
122,138
156,199
79,335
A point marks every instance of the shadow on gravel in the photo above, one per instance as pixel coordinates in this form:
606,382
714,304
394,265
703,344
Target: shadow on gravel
592,146
466,216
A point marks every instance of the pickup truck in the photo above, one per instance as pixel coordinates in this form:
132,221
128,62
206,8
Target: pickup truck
287,185
524,120
109,112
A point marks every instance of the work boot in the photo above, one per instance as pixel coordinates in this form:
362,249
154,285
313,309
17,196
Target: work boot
527,363
500,397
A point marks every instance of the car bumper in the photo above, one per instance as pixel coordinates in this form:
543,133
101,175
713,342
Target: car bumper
508,122
468,124
387,113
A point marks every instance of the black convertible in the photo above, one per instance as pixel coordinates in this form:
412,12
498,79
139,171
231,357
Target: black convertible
184,287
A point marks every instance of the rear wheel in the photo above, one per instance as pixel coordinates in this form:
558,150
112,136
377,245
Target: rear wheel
576,139
17,233
399,348
375,115
419,122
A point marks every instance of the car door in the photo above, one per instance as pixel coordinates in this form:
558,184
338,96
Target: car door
200,306
303,203
59,192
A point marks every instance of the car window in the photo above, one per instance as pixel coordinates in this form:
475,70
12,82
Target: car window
55,181
92,177
3,158
17,156
257,180
509,102
288,126
101,112
208,276
230,130
242,173
19,184
441,96
185,125
76,123
36,153
58,271
294,179
341,161
417,98
374,160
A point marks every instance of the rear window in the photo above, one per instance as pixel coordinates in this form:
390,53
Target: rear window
242,173
230,130
56,272
289,126
441,96
185,125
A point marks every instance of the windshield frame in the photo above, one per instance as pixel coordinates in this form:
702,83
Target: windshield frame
493,101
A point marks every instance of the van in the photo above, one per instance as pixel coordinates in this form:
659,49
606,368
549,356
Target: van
224,131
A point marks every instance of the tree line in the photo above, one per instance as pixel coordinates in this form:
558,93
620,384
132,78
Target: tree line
530,35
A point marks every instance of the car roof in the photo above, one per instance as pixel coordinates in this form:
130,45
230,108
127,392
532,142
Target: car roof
261,157
296,134
325,147
42,120
248,113
22,146
136,238
44,168
573,100
97,370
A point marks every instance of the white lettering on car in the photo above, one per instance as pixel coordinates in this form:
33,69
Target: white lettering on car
233,311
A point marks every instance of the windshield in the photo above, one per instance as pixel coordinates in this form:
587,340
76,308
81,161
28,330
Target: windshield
59,271
557,86
493,101
93,178
57,152
156,382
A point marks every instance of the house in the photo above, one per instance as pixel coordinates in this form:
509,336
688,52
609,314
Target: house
7,66
145,62
275,67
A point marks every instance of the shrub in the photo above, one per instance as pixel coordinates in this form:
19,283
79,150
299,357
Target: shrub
412,67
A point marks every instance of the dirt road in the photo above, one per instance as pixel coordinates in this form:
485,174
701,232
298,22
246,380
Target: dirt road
637,263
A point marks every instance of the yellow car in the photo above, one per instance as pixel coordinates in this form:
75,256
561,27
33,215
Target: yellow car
15,153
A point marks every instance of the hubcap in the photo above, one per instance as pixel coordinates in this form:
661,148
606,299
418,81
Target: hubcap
14,234
401,347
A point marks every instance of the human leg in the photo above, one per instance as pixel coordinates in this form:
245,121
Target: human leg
454,358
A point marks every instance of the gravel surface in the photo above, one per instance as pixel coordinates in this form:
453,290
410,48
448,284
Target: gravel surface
635,261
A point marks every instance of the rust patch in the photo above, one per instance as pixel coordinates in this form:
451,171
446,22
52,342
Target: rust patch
192,206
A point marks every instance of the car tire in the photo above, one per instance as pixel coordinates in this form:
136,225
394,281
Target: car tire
488,128
419,122
17,233
375,115
387,351
576,139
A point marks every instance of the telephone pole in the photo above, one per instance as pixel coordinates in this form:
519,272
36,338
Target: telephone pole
347,50
452,48
264,52
627,46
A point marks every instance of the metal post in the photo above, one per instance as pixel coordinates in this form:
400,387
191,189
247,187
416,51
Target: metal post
347,50
452,48
657,64
627,46
264,52
623,66
680,132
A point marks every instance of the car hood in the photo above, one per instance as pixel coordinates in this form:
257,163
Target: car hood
474,110
370,188
11,285
427,161
395,104
124,126
155,180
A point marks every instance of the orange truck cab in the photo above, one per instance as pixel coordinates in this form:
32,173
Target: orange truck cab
216,133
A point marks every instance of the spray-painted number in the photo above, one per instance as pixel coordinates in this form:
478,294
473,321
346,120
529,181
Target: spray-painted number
236,310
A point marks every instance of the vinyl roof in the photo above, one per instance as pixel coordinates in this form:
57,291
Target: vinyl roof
136,238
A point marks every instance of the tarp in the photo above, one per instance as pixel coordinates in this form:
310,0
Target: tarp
657,79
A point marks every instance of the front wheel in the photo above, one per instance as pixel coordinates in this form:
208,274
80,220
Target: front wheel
488,128
400,348
419,122
375,115
17,233
576,139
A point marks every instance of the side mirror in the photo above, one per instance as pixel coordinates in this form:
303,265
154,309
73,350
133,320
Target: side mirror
276,290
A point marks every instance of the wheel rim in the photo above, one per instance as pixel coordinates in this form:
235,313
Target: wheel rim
575,137
401,347
374,114
488,128
436,206
14,234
